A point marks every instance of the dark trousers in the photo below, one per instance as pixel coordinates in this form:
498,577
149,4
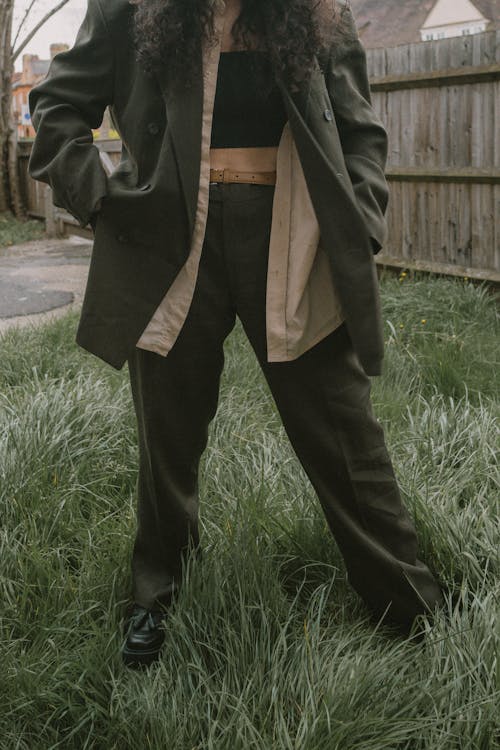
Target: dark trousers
323,398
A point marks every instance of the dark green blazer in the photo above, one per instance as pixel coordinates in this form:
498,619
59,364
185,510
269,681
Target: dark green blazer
143,231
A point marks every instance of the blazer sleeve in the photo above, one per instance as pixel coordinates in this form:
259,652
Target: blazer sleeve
362,135
64,107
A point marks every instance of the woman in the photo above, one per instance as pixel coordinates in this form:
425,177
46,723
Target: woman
251,183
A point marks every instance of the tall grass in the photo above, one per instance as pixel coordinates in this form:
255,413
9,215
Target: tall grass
267,646
14,231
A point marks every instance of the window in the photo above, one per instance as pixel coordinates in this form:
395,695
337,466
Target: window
465,32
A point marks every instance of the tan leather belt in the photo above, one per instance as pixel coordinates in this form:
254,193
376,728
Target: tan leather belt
230,175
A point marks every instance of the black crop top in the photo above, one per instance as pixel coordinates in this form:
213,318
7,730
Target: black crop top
241,117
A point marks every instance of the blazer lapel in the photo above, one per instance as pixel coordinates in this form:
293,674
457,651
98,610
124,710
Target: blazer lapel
320,161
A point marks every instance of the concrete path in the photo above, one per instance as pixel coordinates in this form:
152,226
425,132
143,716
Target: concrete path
42,279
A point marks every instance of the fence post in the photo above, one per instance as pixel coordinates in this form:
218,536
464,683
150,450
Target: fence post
49,211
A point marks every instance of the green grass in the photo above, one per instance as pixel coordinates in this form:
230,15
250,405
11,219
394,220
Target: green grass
14,231
267,646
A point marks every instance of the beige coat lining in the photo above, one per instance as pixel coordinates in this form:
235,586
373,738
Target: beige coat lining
302,306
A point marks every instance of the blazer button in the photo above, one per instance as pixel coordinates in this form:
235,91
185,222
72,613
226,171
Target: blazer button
153,128
328,115
121,237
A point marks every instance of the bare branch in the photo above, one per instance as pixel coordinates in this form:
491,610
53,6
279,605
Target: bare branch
26,14
32,33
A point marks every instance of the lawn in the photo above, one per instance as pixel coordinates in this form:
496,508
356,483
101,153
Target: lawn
267,646
14,231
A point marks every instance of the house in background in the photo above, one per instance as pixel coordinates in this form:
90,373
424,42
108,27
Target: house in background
386,23
453,18
34,70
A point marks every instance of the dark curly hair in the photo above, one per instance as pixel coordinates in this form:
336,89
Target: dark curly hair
169,34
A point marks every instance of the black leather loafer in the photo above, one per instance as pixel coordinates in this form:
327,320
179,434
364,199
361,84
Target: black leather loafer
144,636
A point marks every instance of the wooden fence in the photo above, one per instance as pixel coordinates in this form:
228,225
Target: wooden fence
440,102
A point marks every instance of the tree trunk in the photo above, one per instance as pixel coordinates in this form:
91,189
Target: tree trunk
4,203
6,66
13,168
8,132
10,193
6,11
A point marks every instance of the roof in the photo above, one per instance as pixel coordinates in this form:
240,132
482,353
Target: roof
463,11
37,70
385,23
40,67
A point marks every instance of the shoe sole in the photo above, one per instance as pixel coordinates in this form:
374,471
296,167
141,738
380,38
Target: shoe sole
139,659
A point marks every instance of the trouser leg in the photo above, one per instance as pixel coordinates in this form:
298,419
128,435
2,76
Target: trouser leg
323,398
175,398
342,448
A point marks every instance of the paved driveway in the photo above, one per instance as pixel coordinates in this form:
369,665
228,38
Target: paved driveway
42,279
